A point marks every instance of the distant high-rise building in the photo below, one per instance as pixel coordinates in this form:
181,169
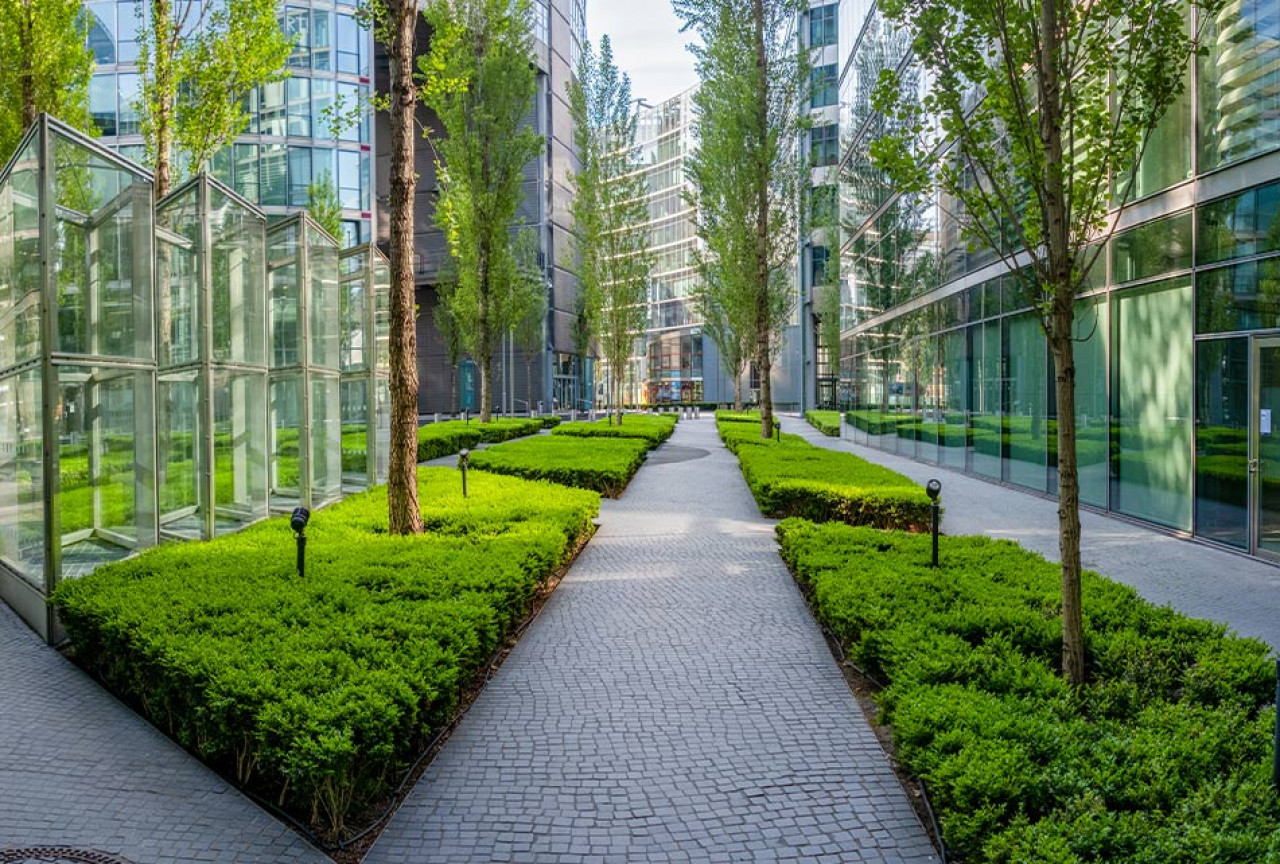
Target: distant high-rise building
554,373
288,145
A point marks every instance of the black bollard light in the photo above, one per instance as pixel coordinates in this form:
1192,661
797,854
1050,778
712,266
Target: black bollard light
464,460
934,491
298,522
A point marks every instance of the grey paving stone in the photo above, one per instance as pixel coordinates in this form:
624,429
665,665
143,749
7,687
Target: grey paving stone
674,702
1200,580
78,768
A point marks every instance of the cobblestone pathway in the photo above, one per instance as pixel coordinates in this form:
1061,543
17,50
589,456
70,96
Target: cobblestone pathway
1193,578
674,702
78,768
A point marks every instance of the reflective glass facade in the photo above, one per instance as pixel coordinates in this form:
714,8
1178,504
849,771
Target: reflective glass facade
77,367
288,143
943,360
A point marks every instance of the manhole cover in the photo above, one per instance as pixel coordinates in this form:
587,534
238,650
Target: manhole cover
671,454
57,855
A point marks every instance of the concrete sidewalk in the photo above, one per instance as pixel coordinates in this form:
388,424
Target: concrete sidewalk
79,769
675,702
1194,578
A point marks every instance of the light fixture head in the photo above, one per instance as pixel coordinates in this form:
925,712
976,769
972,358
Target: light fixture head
933,489
298,521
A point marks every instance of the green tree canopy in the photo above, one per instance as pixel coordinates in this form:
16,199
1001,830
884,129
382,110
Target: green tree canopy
47,66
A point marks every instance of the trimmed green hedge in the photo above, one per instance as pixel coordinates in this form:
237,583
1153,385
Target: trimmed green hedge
792,477
826,422
318,693
653,428
437,440
604,465
738,417
1164,756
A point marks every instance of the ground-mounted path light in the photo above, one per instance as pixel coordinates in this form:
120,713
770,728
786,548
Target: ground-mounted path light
934,490
464,462
298,522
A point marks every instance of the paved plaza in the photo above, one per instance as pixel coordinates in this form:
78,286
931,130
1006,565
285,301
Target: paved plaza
1199,580
674,702
78,768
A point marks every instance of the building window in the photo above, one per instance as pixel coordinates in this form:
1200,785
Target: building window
822,85
299,90
824,145
824,207
819,257
102,103
129,95
322,40
275,174
823,25
350,45
102,31
272,109
299,175
297,26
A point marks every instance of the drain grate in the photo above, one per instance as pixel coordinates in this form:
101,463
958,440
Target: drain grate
57,855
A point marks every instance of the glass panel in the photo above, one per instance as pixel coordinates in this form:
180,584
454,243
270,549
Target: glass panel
106,425
239,460
383,430
1150,250
954,361
1092,417
1167,159
286,333
1269,449
299,94
20,275
275,174
1222,441
355,429
246,157
1026,423
237,273
986,413
1153,392
1239,83
182,506
177,278
326,439
22,528
1241,297
286,426
352,320
324,300
102,102
321,40
929,386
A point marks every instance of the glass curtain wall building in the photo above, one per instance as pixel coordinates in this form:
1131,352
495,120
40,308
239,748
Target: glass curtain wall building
552,370
1178,358
288,144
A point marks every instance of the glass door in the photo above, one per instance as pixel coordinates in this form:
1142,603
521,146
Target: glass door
1264,462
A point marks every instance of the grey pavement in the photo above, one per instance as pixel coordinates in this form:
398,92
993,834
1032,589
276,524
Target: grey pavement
78,768
1194,578
673,702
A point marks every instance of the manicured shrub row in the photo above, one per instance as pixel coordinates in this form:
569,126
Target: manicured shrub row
317,693
1164,756
826,422
437,440
791,477
604,465
738,417
653,428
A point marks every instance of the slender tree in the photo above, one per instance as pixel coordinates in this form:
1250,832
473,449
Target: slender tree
748,173
198,61
485,47
1042,165
324,205
47,66
610,210
395,24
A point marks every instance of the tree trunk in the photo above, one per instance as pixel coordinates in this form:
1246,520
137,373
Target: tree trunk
485,354
163,71
402,479
737,389
453,388
1063,349
26,44
617,392
528,384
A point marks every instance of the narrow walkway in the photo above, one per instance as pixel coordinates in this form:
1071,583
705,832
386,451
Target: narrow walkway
674,702
1194,578
78,768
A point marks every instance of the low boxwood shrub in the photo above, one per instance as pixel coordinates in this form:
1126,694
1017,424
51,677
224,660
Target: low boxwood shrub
652,428
826,422
318,693
791,477
437,440
1164,755
604,465
726,416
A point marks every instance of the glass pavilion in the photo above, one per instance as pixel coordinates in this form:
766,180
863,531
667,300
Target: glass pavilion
366,366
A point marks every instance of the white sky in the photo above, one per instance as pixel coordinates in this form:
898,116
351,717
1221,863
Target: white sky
647,45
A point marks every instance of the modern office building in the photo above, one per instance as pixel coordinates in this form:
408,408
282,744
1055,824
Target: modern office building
288,144
1178,358
553,373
